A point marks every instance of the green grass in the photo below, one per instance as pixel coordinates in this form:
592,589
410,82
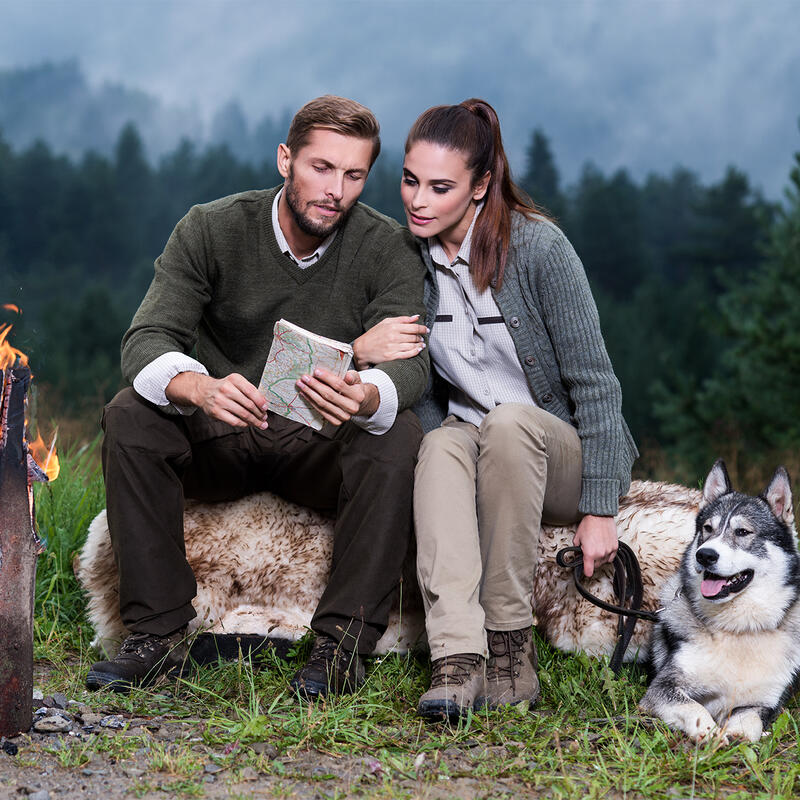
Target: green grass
585,738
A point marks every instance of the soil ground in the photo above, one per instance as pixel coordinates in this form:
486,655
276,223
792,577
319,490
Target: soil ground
103,753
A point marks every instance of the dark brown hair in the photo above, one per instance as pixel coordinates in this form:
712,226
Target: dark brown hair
336,114
473,129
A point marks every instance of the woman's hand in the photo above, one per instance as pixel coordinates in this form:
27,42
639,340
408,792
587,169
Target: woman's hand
597,538
391,338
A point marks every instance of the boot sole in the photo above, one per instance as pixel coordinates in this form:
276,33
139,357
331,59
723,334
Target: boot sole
313,691
441,710
105,680
98,679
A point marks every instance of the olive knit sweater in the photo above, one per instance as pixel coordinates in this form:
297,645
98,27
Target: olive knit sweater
222,283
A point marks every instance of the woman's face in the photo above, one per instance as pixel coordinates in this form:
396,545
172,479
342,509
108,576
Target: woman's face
437,192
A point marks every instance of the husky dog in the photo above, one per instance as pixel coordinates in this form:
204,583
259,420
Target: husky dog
261,564
725,652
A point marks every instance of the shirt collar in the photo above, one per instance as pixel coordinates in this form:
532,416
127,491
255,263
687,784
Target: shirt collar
284,245
437,251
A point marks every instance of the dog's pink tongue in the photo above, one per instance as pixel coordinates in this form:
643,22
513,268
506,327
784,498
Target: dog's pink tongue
711,587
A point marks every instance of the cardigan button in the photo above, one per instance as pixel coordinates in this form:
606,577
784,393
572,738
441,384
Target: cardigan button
546,398
530,360
514,322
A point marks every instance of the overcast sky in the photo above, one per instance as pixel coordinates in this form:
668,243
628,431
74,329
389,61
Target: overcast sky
645,84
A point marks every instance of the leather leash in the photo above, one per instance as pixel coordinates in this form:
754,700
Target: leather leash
628,591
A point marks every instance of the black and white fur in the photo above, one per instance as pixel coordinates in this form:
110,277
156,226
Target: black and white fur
725,651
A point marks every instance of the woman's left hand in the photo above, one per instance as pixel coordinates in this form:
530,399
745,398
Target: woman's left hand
391,338
597,538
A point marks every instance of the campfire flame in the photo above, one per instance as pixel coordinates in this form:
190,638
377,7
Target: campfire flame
10,356
45,457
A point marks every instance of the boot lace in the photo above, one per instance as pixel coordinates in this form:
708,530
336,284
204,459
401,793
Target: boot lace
327,652
144,645
505,648
140,645
453,670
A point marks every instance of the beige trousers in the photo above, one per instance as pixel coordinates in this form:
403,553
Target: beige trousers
480,495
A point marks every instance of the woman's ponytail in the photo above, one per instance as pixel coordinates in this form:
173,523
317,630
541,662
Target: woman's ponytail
472,128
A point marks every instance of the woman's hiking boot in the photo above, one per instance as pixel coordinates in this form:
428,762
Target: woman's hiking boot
141,659
456,681
330,669
511,670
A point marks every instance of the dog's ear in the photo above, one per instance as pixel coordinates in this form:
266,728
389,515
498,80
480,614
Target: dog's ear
779,496
717,483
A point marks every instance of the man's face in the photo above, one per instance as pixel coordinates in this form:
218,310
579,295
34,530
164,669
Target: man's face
324,179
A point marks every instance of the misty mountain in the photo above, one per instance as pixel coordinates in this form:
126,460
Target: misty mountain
56,103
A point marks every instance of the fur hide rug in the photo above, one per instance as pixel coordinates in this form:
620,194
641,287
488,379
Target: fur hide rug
261,564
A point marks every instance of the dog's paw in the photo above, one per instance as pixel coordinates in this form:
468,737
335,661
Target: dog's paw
745,725
710,735
701,728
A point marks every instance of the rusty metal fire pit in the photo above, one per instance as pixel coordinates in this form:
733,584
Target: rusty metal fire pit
19,544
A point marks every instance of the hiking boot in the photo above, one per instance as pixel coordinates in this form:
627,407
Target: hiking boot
511,671
141,659
455,683
330,669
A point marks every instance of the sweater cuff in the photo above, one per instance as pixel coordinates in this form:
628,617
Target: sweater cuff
599,496
384,417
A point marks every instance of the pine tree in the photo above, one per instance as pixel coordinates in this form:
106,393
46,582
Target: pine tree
751,403
541,179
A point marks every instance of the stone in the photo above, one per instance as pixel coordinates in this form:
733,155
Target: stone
52,724
265,749
212,768
38,695
133,772
91,719
8,747
113,721
42,794
60,700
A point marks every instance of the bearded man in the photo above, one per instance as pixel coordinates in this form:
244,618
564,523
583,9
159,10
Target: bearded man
195,425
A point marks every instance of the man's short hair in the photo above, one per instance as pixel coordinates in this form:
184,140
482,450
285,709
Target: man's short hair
337,114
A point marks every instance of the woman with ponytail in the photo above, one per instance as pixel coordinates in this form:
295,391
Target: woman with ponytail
524,411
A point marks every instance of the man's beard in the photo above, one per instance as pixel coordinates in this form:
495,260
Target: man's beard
311,227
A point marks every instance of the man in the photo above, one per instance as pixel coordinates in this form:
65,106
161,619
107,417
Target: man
198,427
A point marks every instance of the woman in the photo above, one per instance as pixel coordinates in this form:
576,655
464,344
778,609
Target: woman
524,412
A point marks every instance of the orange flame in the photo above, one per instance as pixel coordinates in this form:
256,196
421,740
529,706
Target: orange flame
9,354
46,457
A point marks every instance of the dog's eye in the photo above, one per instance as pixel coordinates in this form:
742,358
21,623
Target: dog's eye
707,528
742,532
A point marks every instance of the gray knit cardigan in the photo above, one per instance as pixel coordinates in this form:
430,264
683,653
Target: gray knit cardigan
550,313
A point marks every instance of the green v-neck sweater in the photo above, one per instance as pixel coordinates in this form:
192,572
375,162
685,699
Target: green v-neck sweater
222,283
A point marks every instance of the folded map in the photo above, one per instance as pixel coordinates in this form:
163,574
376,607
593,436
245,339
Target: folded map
295,352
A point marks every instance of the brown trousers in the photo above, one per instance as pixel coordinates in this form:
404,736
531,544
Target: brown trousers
153,460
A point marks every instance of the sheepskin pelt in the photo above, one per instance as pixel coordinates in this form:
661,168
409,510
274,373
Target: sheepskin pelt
261,564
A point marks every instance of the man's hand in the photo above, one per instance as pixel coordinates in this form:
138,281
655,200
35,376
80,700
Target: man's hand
391,338
339,399
597,538
232,399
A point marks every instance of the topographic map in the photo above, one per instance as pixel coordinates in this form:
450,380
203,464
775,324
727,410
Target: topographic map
295,352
